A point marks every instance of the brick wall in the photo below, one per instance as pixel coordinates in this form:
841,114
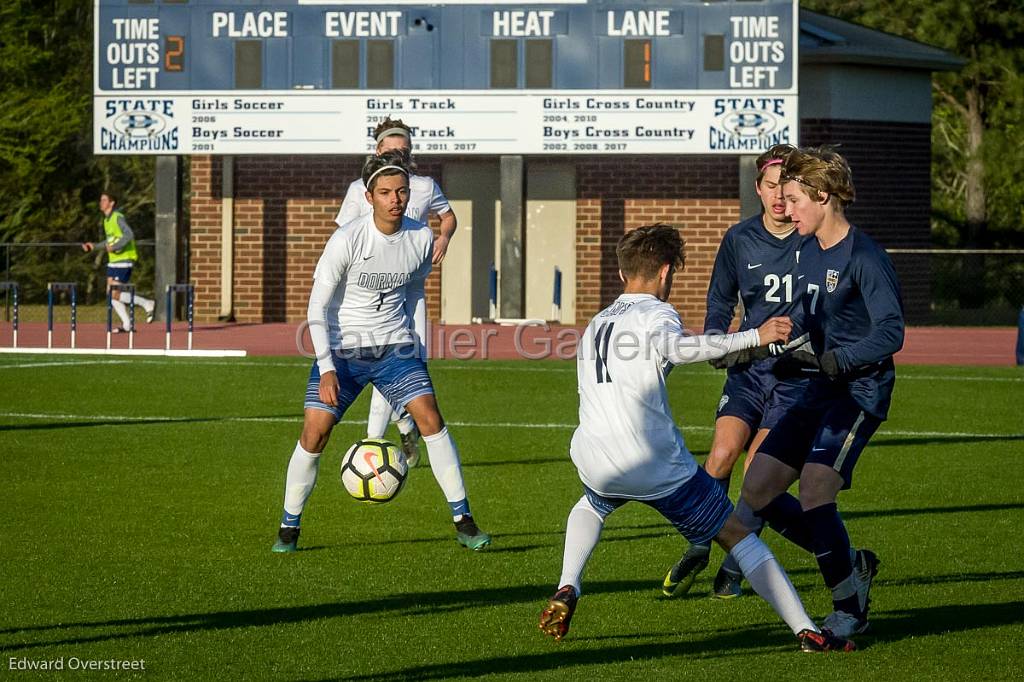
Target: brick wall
284,214
891,165
284,210
616,194
285,205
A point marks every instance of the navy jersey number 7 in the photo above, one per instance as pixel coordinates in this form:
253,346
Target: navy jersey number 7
851,300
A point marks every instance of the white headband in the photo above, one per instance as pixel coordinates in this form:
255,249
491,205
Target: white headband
393,131
384,168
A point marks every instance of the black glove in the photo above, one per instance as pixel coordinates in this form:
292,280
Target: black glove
829,364
796,363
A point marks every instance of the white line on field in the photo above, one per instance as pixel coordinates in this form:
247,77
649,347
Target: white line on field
493,425
61,363
476,366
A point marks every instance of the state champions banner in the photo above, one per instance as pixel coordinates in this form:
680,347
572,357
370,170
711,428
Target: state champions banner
475,122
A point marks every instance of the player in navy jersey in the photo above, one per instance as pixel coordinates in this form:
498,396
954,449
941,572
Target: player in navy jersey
756,263
850,305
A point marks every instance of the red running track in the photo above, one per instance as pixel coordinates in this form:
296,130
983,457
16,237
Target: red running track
991,346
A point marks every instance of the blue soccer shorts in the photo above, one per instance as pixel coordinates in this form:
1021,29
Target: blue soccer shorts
122,275
697,509
757,397
397,371
833,432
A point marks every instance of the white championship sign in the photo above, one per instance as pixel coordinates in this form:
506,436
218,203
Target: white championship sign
463,123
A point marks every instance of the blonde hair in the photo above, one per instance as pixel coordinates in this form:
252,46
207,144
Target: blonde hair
820,170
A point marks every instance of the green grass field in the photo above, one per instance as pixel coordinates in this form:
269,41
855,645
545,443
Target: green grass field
142,498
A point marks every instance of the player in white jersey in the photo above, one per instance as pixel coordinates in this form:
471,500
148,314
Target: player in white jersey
627,446
425,199
367,282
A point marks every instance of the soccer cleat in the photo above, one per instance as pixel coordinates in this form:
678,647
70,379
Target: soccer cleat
680,577
727,585
410,446
865,565
844,625
821,642
469,535
287,539
554,619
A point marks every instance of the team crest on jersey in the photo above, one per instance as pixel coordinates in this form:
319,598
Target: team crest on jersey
831,280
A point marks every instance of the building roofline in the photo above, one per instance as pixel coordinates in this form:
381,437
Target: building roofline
828,40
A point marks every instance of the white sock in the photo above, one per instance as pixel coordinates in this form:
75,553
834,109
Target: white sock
444,463
582,531
302,471
380,413
764,573
122,312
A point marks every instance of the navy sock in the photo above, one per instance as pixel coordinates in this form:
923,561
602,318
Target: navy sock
786,518
723,483
832,549
290,520
460,508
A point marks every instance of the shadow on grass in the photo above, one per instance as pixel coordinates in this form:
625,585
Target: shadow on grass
564,656
410,603
892,626
959,509
898,624
951,578
888,627
661,529
947,439
707,642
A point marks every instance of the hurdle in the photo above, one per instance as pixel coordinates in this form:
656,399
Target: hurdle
189,291
54,288
130,288
556,297
492,290
51,287
11,290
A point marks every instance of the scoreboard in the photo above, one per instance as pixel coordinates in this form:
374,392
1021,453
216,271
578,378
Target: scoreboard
501,77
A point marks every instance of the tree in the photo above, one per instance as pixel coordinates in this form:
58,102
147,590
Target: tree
977,163
49,177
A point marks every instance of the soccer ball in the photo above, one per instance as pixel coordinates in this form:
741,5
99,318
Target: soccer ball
373,470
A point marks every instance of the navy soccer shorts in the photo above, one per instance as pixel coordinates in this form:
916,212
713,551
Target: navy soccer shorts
397,371
698,508
122,275
758,397
831,431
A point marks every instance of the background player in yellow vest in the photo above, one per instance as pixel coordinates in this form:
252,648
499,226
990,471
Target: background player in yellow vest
121,257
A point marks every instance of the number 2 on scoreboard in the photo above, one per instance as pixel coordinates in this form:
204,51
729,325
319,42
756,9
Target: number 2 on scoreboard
174,53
